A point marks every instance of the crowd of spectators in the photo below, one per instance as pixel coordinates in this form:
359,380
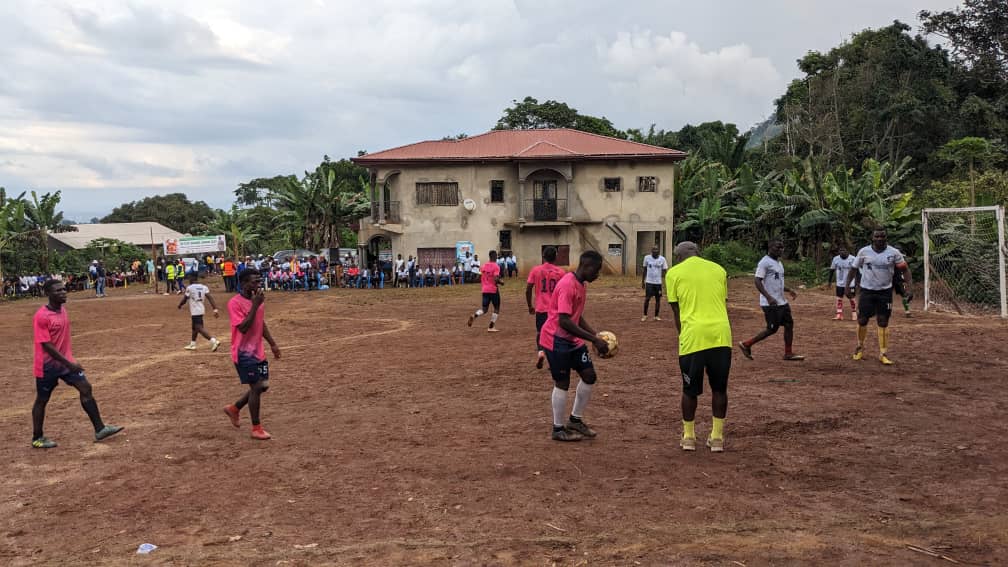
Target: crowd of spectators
279,274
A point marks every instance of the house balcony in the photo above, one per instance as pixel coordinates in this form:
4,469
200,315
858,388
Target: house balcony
392,212
544,210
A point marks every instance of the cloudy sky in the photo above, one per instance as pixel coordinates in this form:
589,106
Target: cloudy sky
113,101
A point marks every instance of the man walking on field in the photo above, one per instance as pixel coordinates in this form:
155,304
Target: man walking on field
874,268
841,266
697,292
248,329
194,295
54,361
655,267
776,310
542,280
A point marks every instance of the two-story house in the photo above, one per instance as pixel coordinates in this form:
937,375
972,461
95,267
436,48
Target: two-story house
518,191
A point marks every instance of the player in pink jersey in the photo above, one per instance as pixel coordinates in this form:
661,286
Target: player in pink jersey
543,280
54,361
563,338
248,329
490,279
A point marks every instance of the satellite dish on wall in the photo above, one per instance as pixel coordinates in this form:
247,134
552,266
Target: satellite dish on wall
469,205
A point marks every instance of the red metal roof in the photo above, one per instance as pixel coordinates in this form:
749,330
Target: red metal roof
558,143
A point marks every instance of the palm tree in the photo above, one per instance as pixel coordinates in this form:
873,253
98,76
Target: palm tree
12,222
43,219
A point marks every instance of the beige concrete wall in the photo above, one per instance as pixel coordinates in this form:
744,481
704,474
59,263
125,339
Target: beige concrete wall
589,206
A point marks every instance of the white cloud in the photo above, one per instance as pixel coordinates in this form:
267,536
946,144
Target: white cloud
667,72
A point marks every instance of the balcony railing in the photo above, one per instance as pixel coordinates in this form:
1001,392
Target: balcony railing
545,209
391,212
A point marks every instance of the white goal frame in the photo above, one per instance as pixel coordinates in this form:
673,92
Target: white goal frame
999,213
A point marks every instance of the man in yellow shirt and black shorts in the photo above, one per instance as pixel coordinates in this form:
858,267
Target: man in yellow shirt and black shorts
697,291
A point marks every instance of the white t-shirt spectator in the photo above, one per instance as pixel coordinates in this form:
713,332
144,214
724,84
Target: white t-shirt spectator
878,268
772,272
842,267
653,268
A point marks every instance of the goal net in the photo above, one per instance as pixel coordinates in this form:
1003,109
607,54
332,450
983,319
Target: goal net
964,260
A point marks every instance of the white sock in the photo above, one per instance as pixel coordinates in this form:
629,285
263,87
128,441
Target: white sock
581,397
559,405
479,312
493,318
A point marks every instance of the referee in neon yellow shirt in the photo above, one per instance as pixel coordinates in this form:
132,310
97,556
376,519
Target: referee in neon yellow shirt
697,291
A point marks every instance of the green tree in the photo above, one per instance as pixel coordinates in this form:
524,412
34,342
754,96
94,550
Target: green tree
174,211
977,33
970,152
530,114
42,218
12,223
883,95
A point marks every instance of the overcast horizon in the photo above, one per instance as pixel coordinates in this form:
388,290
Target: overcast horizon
114,101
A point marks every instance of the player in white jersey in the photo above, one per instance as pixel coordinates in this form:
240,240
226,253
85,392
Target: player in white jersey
655,267
873,271
840,267
776,310
194,296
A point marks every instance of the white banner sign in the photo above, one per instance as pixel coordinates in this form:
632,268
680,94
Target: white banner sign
195,245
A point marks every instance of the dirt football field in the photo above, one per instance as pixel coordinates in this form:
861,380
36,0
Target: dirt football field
402,437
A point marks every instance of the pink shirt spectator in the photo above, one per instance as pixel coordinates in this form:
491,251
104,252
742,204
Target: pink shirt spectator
488,277
568,297
544,279
246,348
51,327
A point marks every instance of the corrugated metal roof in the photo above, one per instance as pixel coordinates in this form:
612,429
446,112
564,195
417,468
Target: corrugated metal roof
138,233
559,143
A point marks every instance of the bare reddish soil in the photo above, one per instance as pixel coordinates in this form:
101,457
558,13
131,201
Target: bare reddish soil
403,437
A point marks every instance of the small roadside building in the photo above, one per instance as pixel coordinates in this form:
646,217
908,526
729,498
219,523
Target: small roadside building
517,191
142,234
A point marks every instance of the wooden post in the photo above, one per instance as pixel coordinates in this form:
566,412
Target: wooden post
153,259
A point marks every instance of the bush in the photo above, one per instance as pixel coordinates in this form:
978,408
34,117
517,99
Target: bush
734,256
806,272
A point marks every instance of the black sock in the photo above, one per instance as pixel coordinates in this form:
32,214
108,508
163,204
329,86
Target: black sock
558,428
91,408
575,418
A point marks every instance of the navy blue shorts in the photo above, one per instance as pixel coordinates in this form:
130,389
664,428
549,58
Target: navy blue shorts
253,373
540,321
491,298
561,362
197,321
45,386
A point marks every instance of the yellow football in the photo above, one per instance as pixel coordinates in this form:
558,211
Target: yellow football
610,338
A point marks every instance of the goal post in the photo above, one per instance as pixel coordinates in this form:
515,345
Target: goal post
964,260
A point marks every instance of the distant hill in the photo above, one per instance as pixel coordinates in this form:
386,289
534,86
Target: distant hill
763,132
